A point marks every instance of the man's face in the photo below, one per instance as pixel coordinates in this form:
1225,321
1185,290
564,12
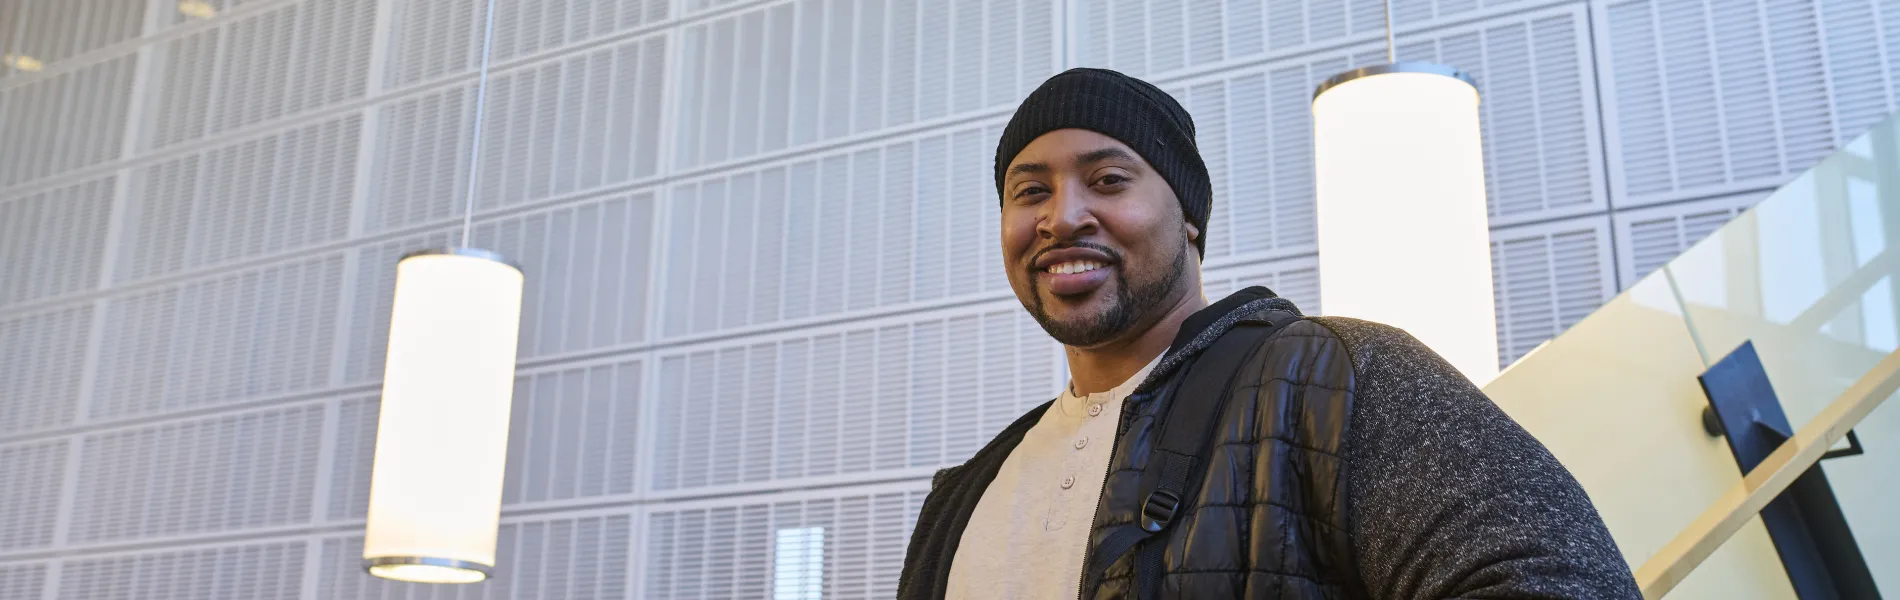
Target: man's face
1093,238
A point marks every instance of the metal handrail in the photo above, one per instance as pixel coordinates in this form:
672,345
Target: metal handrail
1671,564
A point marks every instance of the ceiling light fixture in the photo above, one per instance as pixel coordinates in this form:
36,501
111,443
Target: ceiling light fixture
198,9
1404,234
448,386
22,62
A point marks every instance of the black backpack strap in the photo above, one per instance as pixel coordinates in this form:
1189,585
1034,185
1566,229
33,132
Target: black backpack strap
1188,419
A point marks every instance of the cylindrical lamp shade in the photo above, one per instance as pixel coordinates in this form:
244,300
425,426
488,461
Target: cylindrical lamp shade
1403,232
442,434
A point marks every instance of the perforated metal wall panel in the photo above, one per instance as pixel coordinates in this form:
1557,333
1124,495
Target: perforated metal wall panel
61,121
763,301
51,242
912,393
795,73
770,235
1160,38
1296,280
260,66
43,352
234,336
573,435
576,557
588,289
235,471
579,121
25,580
232,572
53,31
1254,129
32,479
1546,278
259,197
721,550
1657,234
429,40
1712,97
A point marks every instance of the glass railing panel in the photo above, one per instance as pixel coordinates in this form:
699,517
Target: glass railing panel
1809,275
1616,400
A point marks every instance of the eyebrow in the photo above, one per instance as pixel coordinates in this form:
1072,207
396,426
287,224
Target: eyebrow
1085,158
1095,156
1022,168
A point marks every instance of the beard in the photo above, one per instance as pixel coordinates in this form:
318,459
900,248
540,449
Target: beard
1128,305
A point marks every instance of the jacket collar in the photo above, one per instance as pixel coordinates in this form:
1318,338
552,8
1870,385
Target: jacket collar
1200,329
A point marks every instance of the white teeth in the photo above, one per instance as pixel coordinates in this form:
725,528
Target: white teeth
1075,266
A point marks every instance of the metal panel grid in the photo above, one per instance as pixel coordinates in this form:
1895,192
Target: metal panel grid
261,66
841,402
237,336
23,580
29,507
258,197
43,353
231,572
1710,98
574,123
573,436
232,472
1547,277
50,242
1254,128
750,248
1656,234
430,40
1295,279
1165,38
796,73
586,265
50,32
201,426
726,548
63,121
581,556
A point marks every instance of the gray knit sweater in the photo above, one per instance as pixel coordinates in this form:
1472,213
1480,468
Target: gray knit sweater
1450,497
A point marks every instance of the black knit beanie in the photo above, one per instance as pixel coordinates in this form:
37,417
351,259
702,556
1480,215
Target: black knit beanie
1133,111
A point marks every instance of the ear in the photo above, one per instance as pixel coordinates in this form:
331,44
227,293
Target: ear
1194,233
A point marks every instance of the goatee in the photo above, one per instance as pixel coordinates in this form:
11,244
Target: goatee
1130,303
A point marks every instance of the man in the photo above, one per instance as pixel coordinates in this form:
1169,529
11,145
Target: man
1344,459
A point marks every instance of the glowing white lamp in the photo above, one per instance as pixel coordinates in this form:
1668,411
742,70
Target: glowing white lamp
1403,232
442,435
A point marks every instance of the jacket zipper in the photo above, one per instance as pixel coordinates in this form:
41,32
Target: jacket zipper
1128,407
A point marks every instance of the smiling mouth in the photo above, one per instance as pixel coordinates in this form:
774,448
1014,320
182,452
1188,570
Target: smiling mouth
1074,266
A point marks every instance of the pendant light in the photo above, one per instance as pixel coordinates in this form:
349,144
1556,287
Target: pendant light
442,433
1404,237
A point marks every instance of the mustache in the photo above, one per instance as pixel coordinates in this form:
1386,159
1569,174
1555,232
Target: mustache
1031,264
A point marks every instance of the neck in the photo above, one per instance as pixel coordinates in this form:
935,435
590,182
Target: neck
1101,368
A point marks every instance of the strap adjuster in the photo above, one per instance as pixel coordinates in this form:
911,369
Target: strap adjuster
1159,510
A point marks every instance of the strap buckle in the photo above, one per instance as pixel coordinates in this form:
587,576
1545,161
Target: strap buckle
1159,510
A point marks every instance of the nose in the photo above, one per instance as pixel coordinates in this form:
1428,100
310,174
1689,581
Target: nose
1067,215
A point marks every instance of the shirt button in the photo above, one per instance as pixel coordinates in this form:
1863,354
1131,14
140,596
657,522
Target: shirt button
1068,482
1081,443
1095,410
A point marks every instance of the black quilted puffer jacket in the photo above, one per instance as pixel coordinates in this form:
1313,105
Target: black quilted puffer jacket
1350,462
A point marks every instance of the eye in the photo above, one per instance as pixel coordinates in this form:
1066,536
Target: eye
1031,190
1112,179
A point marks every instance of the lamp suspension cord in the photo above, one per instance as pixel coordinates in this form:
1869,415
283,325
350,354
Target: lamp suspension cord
475,144
1391,53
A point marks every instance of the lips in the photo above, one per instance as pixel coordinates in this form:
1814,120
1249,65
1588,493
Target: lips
1073,271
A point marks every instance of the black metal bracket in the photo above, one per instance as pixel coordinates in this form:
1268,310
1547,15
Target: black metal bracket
1712,425
1853,448
1810,532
